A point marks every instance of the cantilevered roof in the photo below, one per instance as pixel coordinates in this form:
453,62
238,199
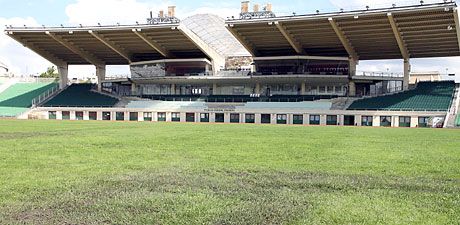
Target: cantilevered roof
111,45
392,33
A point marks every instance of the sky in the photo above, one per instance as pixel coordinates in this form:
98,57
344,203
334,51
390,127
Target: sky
22,61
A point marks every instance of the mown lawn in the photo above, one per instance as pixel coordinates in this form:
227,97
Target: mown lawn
55,172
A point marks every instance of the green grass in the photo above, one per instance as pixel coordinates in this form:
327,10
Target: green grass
63,172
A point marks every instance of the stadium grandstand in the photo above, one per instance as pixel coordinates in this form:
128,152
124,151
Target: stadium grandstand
256,68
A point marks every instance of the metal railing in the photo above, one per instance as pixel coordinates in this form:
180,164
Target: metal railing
44,96
379,74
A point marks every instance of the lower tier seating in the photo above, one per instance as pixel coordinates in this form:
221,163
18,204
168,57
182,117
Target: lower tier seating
427,96
457,122
240,98
18,98
81,95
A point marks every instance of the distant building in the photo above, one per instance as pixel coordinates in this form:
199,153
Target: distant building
416,77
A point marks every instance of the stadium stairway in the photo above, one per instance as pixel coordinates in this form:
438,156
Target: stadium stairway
427,96
81,95
451,118
17,98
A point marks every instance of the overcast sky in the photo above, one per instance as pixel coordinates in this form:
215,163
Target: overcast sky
90,12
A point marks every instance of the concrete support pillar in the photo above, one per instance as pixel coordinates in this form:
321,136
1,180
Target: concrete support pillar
100,74
134,89
63,76
407,69
214,89
303,88
257,88
173,89
351,83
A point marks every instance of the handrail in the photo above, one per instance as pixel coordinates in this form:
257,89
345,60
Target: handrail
44,96
379,74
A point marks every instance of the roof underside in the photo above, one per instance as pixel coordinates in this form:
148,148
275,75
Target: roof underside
119,45
425,31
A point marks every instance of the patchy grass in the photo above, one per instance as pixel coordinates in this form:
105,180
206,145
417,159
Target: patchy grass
142,173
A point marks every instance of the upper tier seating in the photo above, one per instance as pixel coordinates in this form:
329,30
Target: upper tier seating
240,98
18,98
80,95
427,96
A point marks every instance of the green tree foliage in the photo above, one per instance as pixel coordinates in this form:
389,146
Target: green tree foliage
51,72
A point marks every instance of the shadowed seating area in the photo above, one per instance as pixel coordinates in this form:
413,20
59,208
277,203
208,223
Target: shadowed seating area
81,95
427,96
240,98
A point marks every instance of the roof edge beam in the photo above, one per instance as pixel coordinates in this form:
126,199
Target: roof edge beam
111,45
246,44
43,53
152,44
345,42
82,53
457,25
289,37
399,38
217,60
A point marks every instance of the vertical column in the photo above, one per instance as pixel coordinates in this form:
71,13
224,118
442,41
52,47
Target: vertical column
63,76
100,74
173,89
303,88
351,84
257,88
134,89
407,69
214,89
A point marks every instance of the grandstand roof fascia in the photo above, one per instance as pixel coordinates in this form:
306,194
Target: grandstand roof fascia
172,61
302,57
370,12
92,28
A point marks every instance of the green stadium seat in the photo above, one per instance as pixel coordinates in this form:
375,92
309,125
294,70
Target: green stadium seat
427,96
80,95
18,98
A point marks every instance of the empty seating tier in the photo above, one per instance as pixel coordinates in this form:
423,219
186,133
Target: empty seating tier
81,95
18,98
240,98
427,96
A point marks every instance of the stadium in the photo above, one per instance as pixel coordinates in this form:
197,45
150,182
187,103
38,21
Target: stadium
258,68
256,118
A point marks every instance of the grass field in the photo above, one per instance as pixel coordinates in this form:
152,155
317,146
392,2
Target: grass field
55,172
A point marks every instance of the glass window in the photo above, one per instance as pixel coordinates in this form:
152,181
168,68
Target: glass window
204,117
52,115
175,117
250,118
315,119
148,116
423,121
331,120
120,116
385,121
190,117
106,116
404,121
298,119
66,115
133,116
265,118
220,117
161,116
281,119
79,115
234,118
367,121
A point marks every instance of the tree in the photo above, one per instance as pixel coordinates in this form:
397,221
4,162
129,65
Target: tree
51,72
